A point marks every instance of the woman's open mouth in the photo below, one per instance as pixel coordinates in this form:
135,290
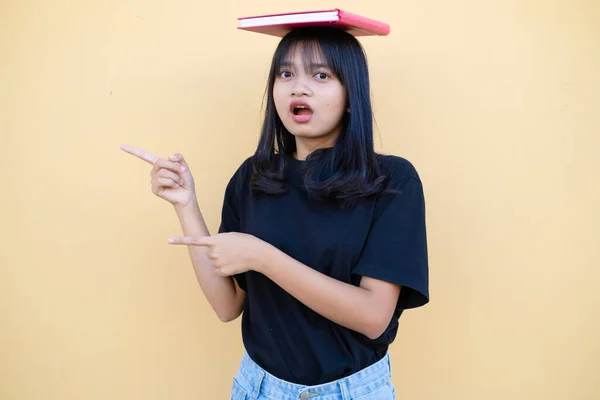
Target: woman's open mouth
301,112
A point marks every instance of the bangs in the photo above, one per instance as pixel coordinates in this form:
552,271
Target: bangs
314,52
311,54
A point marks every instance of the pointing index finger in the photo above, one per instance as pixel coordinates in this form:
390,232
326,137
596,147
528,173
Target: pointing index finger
141,154
191,241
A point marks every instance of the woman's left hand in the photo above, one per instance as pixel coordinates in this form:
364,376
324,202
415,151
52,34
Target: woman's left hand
230,253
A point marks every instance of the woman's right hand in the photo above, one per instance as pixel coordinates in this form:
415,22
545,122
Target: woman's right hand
171,178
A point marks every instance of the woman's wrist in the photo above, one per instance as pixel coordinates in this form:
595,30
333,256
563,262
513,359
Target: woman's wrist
266,258
189,208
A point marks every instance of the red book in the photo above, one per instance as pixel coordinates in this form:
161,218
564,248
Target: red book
281,24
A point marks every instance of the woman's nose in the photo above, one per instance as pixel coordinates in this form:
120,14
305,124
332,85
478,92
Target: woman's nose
301,88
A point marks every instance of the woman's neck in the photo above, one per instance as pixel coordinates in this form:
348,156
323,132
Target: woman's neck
305,146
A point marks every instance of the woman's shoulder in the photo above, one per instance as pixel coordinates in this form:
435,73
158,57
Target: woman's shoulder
240,175
246,167
397,168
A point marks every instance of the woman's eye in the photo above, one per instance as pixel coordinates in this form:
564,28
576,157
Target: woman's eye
322,76
285,74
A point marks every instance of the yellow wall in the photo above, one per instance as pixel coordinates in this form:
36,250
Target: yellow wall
495,102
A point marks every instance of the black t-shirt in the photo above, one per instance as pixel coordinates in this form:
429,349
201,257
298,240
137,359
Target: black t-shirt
382,237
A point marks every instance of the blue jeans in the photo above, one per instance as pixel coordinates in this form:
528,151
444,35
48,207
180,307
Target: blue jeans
372,383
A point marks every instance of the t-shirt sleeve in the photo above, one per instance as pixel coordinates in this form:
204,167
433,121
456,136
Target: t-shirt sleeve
230,216
396,247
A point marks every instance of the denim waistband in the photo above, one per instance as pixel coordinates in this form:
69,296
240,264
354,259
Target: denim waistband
361,382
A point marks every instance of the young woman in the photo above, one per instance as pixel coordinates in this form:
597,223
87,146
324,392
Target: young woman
322,242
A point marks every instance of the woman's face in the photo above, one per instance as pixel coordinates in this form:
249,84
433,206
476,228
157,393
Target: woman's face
310,101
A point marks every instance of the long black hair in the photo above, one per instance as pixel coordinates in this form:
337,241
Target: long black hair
347,171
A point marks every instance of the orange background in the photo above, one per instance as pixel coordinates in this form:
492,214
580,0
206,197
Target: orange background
495,102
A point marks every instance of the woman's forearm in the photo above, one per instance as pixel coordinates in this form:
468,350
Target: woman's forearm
221,291
356,308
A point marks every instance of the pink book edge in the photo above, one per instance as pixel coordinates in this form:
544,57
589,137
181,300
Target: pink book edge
362,23
355,21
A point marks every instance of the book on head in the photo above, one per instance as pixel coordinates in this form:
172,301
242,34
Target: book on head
281,24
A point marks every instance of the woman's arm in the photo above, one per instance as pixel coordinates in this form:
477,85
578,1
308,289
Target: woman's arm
172,181
222,292
367,309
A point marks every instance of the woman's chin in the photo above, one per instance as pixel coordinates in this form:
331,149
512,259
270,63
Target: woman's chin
305,131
